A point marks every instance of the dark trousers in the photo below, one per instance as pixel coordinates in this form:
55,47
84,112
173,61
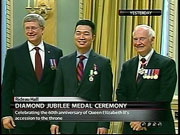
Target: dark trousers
37,128
82,128
4,131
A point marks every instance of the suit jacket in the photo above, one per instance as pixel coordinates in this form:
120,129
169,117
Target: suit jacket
100,89
160,89
19,78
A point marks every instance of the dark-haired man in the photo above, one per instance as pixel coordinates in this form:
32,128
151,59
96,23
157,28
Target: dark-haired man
83,74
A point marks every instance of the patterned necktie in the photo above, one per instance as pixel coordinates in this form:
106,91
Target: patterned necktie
38,64
80,68
141,70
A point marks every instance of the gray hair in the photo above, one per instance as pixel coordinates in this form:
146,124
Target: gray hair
33,18
151,32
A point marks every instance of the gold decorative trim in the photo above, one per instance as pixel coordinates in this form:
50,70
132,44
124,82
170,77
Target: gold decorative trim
51,25
9,27
81,9
172,29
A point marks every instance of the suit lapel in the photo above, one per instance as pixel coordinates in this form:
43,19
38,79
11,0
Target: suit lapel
152,61
134,71
72,65
138,85
27,61
47,55
135,63
89,64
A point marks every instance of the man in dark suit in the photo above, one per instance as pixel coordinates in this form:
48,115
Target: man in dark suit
147,77
94,84
23,78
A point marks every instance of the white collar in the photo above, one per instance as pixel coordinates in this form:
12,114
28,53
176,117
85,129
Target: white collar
85,54
148,56
31,46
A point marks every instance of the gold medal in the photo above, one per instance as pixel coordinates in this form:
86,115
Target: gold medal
156,73
155,76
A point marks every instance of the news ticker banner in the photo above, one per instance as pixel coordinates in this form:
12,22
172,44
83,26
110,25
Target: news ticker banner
139,12
77,109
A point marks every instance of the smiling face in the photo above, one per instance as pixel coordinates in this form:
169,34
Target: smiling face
83,38
142,41
33,32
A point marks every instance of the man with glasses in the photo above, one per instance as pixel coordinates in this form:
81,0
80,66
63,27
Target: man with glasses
29,71
147,77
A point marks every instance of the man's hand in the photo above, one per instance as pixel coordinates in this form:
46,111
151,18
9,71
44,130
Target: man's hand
102,131
8,122
54,129
136,125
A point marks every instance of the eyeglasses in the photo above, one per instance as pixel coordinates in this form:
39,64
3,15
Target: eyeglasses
33,28
141,39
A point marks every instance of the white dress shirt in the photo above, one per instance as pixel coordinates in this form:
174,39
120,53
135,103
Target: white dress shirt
147,57
33,52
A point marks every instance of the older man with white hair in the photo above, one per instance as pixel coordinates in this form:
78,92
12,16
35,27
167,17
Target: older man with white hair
147,77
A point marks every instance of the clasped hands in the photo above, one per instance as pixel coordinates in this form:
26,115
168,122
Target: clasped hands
136,125
8,122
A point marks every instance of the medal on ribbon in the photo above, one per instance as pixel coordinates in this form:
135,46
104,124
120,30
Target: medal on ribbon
95,69
148,74
151,74
93,72
52,64
91,75
145,73
156,73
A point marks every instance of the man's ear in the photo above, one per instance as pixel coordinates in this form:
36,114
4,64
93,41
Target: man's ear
42,30
94,36
152,40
